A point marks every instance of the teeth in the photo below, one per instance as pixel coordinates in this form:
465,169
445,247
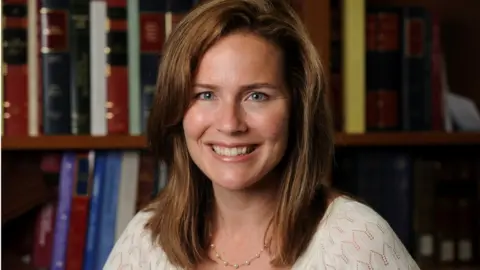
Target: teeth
232,152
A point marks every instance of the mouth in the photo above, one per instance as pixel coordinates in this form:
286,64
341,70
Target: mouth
233,151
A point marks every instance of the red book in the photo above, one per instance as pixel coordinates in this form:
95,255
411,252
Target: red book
152,31
77,233
383,69
437,91
117,65
44,229
15,111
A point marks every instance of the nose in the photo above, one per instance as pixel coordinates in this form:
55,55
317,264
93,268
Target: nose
231,119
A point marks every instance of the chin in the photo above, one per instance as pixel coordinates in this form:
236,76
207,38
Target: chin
235,183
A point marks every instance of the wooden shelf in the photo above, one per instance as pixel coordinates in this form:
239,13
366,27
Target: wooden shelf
408,139
140,142
73,142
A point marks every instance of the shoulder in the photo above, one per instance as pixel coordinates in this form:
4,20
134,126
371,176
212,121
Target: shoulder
135,248
354,236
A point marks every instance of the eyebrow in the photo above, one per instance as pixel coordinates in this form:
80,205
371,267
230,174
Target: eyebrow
252,86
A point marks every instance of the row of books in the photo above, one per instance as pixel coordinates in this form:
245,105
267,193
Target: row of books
82,67
99,192
387,68
63,76
429,202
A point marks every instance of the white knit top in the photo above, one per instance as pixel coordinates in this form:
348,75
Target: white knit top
350,236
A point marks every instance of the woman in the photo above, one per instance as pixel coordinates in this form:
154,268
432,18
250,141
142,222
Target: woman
241,118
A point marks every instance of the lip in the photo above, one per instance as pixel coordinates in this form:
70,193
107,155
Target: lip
240,158
230,145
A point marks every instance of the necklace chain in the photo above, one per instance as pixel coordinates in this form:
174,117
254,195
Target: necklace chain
237,265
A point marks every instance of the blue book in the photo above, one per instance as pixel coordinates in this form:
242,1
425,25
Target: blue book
62,219
95,211
55,59
108,219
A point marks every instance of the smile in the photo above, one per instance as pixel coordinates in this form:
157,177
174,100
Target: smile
232,151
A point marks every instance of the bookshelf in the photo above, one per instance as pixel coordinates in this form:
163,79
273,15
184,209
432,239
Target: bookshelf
125,142
460,25
460,21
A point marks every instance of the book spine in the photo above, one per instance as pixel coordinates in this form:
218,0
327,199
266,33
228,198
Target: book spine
466,195
33,70
15,96
389,73
98,68
93,233
438,111
416,94
63,212
109,207
55,66
79,214
425,173
133,44
80,67
152,38
353,63
384,67
127,191
50,165
40,79
398,193
445,208
44,230
117,68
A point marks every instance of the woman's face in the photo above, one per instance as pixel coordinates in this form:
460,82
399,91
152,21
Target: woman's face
236,129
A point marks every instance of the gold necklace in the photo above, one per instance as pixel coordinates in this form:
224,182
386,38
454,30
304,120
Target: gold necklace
235,265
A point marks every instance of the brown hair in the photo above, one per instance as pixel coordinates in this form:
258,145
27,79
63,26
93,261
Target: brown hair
179,223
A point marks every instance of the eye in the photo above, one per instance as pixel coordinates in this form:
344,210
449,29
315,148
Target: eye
205,96
257,96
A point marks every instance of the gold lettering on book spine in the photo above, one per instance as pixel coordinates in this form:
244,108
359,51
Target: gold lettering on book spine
54,24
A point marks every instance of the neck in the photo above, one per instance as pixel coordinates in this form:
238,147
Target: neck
243,212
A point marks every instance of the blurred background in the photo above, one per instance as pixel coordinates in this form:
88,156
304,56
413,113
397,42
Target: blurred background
403,82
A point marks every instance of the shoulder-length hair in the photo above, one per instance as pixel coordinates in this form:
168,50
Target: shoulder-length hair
180,219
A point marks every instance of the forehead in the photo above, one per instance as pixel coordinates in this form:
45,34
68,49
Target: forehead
241,58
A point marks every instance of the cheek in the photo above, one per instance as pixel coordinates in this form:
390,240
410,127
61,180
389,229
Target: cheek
273,125
277,129
195,122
